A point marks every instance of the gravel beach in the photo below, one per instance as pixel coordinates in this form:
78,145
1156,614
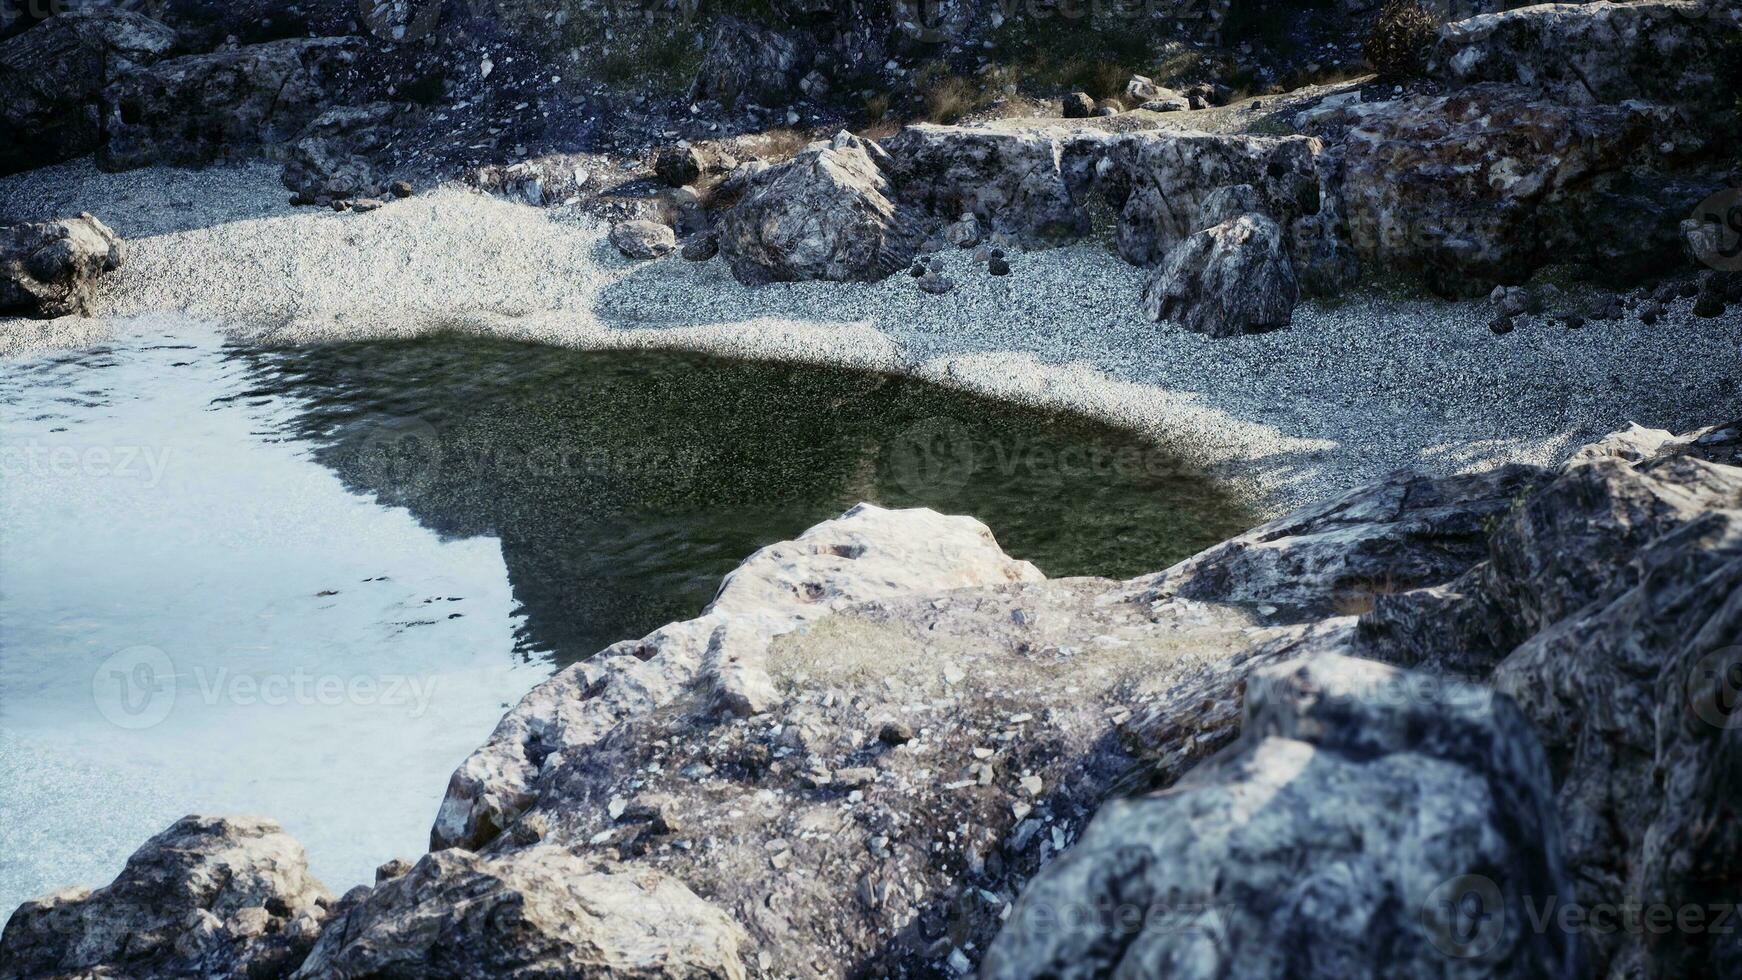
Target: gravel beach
1349,393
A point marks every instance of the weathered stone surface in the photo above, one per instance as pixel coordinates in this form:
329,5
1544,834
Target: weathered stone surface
1338,837
1230,279
1487,185
825,214
207,897
51,268
867,553
537,912
748,62
1612,606
51,78
642,239
1010,181
1678,52
1077,105
334,155
200,108
1332,558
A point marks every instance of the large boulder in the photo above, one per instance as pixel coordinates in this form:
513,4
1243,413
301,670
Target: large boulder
1489,184
749,62
51,78
1011,182
1367,822
197,109
825,214
865,554
208,897
1611,610
538,912
51,268
1229,279
1677,52
335,155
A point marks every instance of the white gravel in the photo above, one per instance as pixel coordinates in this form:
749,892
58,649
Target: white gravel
1347,394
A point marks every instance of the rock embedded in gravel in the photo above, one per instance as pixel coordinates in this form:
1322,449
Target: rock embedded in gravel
935,284
642,239
1503,324
51,269
998,267
1078,105
824,214
679,166
207,897
702,247
1224,281
334,155
401,189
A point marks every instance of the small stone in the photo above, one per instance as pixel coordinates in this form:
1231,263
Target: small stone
1708,305
1021,809
918,269
701,248
365,204
1651,313
998,267
401,188
935,284
953,675
1031,785
340,204
895,733
856,776
983,753
1501,325
391,870
1078,105
1575,321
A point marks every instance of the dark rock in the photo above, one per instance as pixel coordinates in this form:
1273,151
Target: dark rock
1232,279
1010,182
201,108
52,78
1709,305
207,897
334,155
401,189
51,269
642,239
998,267
1502,325
679,166
895,733
1078,105
750,62
1651,313
1573,321
935,284
702,247
825,214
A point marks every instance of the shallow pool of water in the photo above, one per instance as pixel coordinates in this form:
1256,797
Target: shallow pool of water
306,583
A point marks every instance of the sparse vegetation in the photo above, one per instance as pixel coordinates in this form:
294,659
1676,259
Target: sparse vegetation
1401,38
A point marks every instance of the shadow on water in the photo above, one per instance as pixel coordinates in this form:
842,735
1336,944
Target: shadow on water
624,485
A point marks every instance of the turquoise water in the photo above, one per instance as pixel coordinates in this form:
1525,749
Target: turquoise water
306,583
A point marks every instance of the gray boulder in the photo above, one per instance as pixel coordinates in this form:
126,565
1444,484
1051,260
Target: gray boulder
1234,278
1306,849
641,239
201,108
51,268
208,897
52,77
334,155
825,214
538,912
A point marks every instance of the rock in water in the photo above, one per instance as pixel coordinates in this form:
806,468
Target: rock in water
1368,822
642,239
1231,279
51,269
52,78
825,214
207,897
194,110
541,911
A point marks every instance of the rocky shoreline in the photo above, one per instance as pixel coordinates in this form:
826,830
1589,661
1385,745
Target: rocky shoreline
1475,717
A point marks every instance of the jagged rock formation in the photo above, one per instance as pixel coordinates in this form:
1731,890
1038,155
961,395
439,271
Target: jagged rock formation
200,108
825,214
50,268
333,157
207,897
1231,278
1336,838
51,78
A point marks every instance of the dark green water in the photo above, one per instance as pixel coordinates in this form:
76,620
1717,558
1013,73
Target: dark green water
623,485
